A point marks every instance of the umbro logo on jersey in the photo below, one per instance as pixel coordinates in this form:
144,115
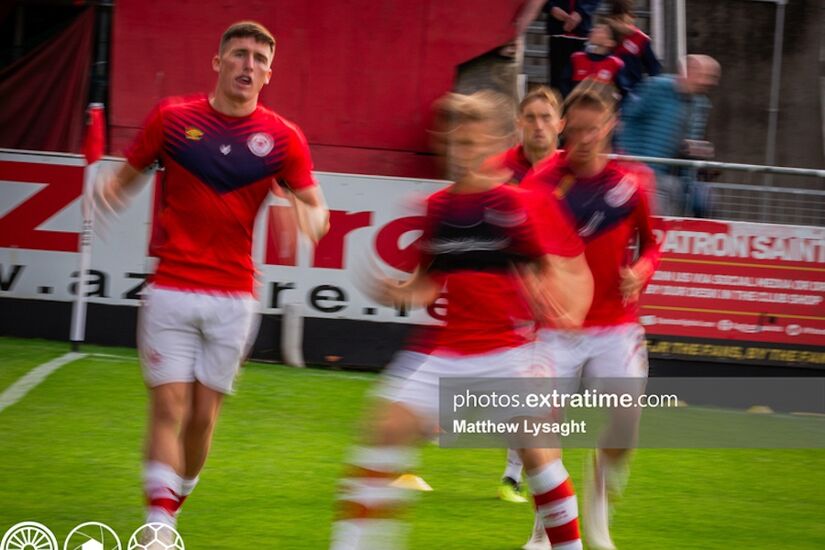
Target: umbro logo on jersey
564,186
194,134
225,149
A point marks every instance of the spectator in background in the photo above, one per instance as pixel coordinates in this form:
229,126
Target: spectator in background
666,118
596,62
568,24
633,47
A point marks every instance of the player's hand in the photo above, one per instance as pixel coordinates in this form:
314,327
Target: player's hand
633,279
572,21
109,198
391,293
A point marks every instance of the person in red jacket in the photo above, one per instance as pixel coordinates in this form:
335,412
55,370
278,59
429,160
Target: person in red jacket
597,62
607,202
634,47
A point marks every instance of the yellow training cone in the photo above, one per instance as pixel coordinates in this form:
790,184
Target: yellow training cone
411,482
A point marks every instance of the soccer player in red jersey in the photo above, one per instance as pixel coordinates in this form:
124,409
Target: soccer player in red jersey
476,232
222,154
539,122
607,202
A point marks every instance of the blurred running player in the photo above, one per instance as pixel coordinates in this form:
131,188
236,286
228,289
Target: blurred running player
476,232
539,121
222,155
607,200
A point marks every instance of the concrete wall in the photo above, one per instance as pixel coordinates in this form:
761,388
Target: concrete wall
739,33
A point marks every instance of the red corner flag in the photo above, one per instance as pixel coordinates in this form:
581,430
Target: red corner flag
95,140
93,147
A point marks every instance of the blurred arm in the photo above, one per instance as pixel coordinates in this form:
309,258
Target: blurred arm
113,193
564,289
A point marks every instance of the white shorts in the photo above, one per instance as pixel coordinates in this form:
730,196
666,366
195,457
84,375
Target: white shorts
412,378
188,336
596,352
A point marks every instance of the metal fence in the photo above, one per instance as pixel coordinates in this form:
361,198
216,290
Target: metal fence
794,196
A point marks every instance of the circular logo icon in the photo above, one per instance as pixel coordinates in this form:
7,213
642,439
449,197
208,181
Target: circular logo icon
92,535
724,325
156,536
29,535
260,144
793,330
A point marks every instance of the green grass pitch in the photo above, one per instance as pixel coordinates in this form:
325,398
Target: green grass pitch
70,452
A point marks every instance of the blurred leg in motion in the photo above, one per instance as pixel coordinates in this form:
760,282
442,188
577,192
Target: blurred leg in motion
368,502
161,482
554,497
510,489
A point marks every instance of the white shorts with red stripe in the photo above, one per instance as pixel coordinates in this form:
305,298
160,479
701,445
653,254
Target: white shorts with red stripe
191,336
595,352
412,378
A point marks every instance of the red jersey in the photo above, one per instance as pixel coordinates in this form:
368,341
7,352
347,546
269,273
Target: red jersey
611,212
218,171
603,69
474,241
516,161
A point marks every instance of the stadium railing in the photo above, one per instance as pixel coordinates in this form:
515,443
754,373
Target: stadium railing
775,202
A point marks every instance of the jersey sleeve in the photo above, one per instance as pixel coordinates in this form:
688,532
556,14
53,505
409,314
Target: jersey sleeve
297,170
547,229
424,257
146,147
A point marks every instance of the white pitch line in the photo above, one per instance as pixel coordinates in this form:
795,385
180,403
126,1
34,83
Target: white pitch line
16,391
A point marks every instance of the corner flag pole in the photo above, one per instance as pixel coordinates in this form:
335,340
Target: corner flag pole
93,146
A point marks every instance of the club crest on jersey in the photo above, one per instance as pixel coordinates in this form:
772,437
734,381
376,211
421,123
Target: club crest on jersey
631,47
604,74
621,192
260,144
193,133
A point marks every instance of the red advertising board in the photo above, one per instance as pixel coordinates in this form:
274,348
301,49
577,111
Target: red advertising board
722,284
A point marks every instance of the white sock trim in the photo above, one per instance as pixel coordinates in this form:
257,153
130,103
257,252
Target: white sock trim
548,478
515,466
572,545
188,485
158,477
385,459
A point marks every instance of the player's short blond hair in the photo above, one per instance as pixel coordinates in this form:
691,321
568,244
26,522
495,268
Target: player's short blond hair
251,29
591,94
453,110
542,93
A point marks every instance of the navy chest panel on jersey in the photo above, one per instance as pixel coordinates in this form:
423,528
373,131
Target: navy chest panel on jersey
602,203
224,154
473,239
